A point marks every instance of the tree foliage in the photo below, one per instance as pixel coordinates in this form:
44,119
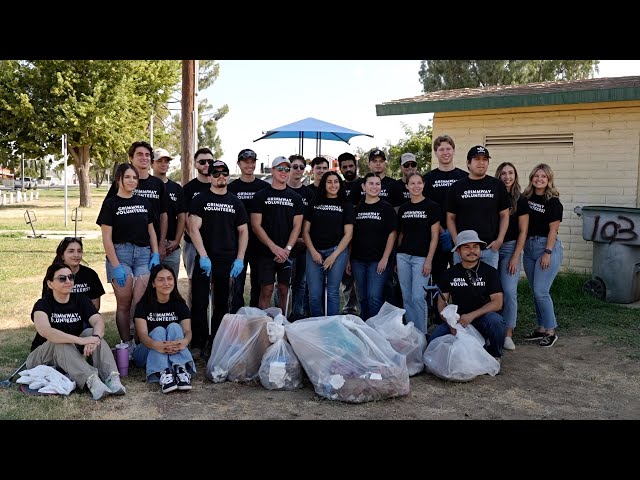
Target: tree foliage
419,143
453,74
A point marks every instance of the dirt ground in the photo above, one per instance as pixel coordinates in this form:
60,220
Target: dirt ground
579,378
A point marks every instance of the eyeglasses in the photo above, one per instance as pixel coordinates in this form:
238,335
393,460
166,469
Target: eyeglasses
72,239
208,160
283,169
297,166
247,154
410,164
63,278
217,174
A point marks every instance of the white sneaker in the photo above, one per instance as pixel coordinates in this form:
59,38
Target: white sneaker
98,389
508,343
114,385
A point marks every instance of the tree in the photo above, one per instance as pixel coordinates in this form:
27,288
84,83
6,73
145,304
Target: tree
419,143
102,106
453,74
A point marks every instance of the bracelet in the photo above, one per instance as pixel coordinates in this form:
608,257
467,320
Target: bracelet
96,335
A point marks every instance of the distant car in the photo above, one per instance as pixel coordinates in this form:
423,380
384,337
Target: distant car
29,183
50,182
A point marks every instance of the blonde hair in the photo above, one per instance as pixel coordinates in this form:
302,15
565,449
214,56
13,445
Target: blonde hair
515,192
550,191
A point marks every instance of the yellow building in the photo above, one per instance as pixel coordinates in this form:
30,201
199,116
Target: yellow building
588,131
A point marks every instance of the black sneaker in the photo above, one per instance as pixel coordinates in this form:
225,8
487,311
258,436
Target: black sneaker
168,381
535,335
183,377
548,340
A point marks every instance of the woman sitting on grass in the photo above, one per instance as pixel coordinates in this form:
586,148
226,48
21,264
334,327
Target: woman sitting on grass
61,341
163,324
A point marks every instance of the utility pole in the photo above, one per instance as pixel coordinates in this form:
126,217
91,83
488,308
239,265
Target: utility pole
188,97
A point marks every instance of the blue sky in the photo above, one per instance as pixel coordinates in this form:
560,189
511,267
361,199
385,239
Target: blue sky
265,94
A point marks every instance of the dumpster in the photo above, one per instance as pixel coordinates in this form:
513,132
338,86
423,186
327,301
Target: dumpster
615,233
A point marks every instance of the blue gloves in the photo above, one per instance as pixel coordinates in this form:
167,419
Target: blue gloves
445,240
120,275
205,264
155,260
238,265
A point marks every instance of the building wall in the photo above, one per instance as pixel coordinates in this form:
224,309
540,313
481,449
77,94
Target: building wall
600,169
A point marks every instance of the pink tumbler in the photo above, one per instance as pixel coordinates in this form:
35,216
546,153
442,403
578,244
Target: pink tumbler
122,358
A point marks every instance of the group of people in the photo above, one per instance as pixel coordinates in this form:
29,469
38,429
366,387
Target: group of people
370,236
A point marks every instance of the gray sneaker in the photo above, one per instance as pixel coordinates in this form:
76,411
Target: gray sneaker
114,385
98,389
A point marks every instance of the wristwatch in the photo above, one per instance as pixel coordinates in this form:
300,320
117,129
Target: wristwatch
546,250
289,247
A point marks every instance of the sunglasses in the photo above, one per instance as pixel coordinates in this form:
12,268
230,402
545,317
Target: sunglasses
203,162
63,278
247,154
283,169
297,166
409,164
217,174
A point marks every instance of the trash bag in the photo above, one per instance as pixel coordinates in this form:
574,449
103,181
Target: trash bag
405,339
280,368
347,360
460,357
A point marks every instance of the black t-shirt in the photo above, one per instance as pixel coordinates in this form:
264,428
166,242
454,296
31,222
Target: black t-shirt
477,204
245,191
373,224
390,191
193,188
349,186
328,219
436,186
415,221
522,208
221,216
406,195
305,193
541,213
67,317
129,218
278,207
86,282
162,314
459,284
153,189
176,206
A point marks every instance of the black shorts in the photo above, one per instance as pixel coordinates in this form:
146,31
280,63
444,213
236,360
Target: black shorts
268,268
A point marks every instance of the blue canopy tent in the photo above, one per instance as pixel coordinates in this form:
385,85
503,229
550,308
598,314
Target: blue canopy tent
314,129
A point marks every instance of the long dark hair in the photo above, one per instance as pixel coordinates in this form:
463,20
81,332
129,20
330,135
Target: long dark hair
150,298
59,258
321,193
51,271
515,192
123,167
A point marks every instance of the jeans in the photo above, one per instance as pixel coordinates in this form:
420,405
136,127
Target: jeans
491,327
509,283
173,260
157,362
541,280
133,258
315,280
370,285
487,255
413,295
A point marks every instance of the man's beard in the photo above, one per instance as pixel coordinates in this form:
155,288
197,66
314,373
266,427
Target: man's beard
350,176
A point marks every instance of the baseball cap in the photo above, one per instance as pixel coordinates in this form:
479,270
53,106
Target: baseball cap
278,160
376,152
467,236
215,167
158,153
247,153
478,150
407,157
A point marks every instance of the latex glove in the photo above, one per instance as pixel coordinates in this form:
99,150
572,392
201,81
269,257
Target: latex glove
155,260
445,240
238,265
120,275
205,264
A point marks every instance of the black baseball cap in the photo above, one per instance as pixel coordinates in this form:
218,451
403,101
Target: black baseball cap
215,167
246,153
477,150
376,152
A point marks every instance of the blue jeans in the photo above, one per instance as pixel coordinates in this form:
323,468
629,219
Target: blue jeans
541,280
157,362
509,283
133,258
315,280
370,286
413,295
487,255
173,260
491,327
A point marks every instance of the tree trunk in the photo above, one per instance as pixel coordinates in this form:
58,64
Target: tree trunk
81,159
188,86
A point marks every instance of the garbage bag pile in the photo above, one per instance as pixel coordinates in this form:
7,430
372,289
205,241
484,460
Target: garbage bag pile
280,368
